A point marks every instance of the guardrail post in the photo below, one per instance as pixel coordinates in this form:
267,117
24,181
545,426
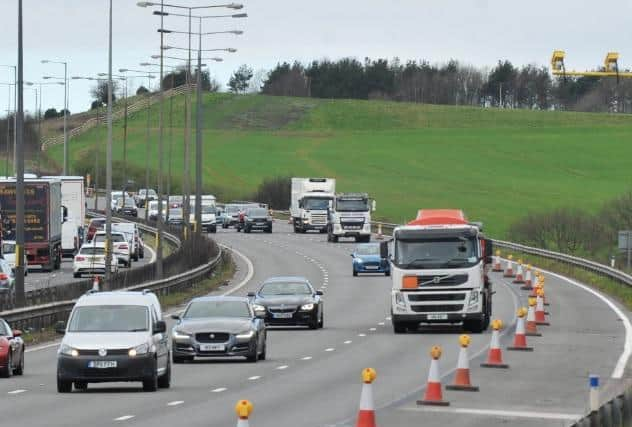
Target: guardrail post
617,411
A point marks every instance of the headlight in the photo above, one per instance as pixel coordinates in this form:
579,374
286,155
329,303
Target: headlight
68,350
245,335
307,307
358,260
138,350
249,220
399,299
181,335
258,307
473,298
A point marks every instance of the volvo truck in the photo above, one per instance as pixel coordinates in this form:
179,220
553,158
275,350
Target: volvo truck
350,216
43,218
439,265
311,200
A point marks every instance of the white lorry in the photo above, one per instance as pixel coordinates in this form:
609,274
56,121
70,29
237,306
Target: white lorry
311,199
73,198
439,265
350,216
208,215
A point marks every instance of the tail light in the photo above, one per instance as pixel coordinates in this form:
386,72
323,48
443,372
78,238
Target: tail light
80,258
4,276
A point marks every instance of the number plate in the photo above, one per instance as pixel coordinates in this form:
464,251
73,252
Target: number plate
102,364
437,317
212,347
372,267
282,315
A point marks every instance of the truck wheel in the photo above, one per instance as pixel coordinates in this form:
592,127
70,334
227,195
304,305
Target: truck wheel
400,327
475,326
334,238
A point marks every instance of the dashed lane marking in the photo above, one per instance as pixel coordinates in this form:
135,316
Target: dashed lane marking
348,342
254,378
373,329
306,358
175,403
124,418
282,367
362,335
219,390
330,349
17,391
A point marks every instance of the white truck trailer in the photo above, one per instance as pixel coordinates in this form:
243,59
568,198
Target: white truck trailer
73,197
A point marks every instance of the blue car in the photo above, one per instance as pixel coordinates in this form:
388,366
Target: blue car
367,259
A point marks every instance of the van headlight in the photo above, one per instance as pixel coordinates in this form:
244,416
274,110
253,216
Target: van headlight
245,335
139,350
68,350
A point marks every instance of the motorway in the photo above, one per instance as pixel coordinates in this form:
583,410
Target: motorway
312,378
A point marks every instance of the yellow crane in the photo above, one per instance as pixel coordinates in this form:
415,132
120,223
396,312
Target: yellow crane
611,67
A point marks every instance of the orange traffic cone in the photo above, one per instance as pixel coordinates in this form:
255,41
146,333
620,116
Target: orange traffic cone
495,355
509,270
433,394
532,329
497,266
462,377
95,283
519,274
520,339
540,318
244,409
366,414
528,279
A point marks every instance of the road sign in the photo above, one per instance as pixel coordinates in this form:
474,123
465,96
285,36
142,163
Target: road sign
625,240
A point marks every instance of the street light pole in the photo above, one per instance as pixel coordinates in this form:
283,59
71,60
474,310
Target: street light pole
198,139
20,298
108,172
160,155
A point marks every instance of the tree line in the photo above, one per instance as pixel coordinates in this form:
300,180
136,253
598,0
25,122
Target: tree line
453,83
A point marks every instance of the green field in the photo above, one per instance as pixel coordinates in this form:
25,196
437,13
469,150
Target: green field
496,164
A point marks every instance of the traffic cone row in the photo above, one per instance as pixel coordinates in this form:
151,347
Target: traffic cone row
497,266
520,338
495,354
509,272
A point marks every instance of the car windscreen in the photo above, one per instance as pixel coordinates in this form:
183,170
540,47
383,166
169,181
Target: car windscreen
257,212
8,248
129,202
109,318
152,193
116,237
175,212
204,309
92,251
285,288
368,250
206,209
232,209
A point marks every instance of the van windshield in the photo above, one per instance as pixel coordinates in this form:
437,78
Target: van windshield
110,318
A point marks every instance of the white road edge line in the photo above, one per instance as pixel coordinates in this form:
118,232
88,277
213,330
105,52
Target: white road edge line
627,347
153,254
251,271
500,413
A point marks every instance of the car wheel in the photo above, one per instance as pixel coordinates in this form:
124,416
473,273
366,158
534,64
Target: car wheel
262,356
253,356
135,258
247,230
81,385
151,384
321,322
269,230
387,273
142,254
63,386
400,327
214,230
313,324
19,370
177,359
165,380
355,273
334,238
7,371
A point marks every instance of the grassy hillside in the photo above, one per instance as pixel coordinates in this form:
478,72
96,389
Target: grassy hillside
496,164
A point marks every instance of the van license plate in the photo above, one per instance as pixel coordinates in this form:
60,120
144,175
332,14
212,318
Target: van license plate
212,347
437,317
102,364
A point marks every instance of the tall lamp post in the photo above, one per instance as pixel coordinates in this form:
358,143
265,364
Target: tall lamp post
20,297
122,78
66,93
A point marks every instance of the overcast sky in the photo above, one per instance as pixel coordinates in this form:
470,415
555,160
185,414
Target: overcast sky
478,32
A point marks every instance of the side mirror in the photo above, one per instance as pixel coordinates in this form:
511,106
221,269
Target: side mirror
160,327
320,293
488,250
175,317
60,328
352,255
373,205
251,294
384,250
17,333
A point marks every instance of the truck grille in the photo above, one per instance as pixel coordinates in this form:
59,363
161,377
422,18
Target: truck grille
205,337
444,308
319,219
455,280
436,297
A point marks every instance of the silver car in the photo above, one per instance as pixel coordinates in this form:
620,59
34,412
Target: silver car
219,327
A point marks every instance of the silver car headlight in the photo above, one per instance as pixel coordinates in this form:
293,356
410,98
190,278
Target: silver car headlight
245,335
68,350
258,307
181,335
307,307
139,350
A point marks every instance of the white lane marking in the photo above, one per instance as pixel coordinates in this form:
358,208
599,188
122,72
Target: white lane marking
153,254
175,403
627,347
362,335
388,318
381,324
17,391
251,272
306,358
43,347
124,418
282,367
348,342
254,378
330,349
219,390
500,413
373,329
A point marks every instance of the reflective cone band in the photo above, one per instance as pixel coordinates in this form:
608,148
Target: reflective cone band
520,338
532,329
495,355
497,266
366,414
528,281
434,395
509,270
462,376
243,408
519,274
540,318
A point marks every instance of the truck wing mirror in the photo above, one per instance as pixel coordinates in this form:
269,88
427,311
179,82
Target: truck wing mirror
373,205
384,250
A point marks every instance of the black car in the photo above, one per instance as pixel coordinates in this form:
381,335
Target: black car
126,206
257,219
290,301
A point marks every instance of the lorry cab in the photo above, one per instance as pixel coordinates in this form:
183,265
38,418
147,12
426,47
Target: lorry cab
438,265
350,216
311,200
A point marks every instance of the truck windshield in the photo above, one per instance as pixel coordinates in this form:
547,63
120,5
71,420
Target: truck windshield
316,204
358,205
452,252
